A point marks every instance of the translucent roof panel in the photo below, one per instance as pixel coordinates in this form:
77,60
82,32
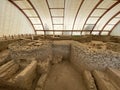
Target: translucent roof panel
57,20
56,3
71,15
84,13
106,3
58,27
66,33
43,11
95,33
76,33
38,27
114,21
23,4
98,12
57,12
71,8
85,33
118,16
108,27
35,20
30,13
58,33
88,27
104,33
106,17
49,32
92,20
40,32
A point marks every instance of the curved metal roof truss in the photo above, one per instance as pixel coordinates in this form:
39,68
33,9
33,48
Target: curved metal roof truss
71,17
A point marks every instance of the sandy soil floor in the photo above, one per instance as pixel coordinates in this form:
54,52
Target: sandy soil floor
63,77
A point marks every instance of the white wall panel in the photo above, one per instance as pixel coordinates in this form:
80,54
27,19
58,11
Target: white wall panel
12,21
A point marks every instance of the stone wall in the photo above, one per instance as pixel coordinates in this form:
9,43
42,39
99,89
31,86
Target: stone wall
61,48
84,57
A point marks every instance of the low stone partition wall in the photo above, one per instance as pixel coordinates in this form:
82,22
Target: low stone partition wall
85,58
25,78
4,44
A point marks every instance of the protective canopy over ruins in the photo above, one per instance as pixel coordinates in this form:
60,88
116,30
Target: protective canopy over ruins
61,17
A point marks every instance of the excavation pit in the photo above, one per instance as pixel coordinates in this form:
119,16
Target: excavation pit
59,65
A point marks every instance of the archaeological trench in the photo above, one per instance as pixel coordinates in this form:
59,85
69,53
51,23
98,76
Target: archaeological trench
84,63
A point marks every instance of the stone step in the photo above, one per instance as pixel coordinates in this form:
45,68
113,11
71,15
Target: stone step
89,80
25,78
114,74
103,82
6,66
9,72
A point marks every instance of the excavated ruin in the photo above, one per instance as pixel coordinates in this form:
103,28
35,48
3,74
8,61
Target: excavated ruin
59,65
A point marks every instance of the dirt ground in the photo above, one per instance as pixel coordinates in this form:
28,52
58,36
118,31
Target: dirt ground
4,53
64,77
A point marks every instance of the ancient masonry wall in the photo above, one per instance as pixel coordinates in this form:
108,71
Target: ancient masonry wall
85,58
